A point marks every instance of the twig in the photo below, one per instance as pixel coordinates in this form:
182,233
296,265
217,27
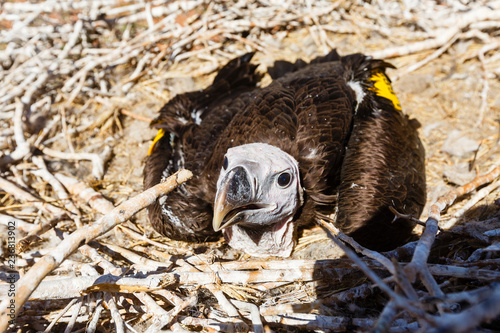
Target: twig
115,314
127,113
44,173
47,207
61,313
386,317
398,51
171,249
258,327
484,92
32,278
71,287
24,243
98,160
470,318
88,194
369,253
478,196
22,146
74,316
399,301
211,324
24,226
319,322
140,262
100,260
417,266
76,286
161,317
428,59
92,324
457,24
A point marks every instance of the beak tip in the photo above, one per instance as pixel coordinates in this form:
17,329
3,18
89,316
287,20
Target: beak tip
217,222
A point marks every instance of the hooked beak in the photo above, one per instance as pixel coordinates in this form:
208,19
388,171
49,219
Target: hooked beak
235,196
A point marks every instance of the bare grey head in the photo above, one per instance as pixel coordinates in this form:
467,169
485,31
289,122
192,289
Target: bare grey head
258,194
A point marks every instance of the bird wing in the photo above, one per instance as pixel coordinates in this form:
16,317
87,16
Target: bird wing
189,126
383,166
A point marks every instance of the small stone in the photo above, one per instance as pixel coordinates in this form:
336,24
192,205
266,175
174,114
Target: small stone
458,144
459,174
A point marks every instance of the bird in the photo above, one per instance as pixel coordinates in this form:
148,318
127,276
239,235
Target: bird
324,137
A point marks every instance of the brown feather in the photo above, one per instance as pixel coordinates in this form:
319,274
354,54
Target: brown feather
311,112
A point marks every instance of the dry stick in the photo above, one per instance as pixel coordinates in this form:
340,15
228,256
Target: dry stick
319,322
161,317
212,325
177,250
428,59
64,125
472,297
28,283
59,316
429,44
403,282
398,299
484,91
26,196
456,24
19,224
45,174
132,115
24,243
92,324
75,286
140,262
76,311
478,196
115,314
98,259
88,194
97,202
85,249
254,314
214,289
222,300
386,317
470,318
169,296
22,146
360,249
418,264
98,160
71,287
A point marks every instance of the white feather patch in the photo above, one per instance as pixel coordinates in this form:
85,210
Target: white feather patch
358,90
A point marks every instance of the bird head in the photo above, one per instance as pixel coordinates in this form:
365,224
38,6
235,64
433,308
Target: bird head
258,194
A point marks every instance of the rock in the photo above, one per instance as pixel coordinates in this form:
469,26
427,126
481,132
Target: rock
458,144
459,174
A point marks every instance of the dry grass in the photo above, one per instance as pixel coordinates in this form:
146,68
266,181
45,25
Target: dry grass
79,81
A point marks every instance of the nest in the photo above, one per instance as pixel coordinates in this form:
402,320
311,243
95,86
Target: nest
79,83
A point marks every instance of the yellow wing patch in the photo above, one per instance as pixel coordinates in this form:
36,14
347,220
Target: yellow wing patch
159,135
382,87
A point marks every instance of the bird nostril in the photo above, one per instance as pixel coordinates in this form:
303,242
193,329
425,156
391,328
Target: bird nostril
240,188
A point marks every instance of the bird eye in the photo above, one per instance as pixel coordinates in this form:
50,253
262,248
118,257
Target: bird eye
225,163
284,179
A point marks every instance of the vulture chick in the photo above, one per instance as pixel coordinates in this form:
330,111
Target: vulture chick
324,136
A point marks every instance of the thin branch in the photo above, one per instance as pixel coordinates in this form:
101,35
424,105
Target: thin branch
120,214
